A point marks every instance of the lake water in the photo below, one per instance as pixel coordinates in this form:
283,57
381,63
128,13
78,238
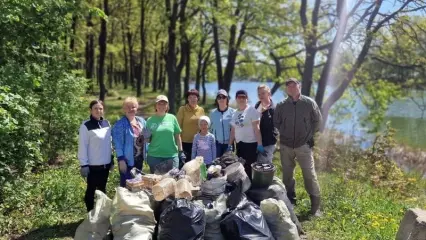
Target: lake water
404,115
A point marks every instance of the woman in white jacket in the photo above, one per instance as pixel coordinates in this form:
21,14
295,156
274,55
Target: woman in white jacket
94,152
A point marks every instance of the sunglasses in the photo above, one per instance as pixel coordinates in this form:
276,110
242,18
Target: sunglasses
242,96
221,97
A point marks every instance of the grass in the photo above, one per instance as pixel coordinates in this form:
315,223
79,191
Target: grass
49,204
352,210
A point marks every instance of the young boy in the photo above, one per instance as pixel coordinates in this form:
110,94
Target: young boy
204,143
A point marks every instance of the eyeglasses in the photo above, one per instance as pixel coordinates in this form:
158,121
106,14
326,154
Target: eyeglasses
221,97
242,96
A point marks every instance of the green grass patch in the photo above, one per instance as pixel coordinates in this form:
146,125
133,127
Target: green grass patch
352,209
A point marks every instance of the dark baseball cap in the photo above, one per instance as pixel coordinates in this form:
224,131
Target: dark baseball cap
241,92
292,80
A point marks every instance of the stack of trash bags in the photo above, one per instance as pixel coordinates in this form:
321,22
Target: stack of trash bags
222,206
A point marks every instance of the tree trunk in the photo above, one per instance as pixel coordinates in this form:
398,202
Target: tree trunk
184,47
199,65
310,40
161,78
308,70
233,48
143,49
332,53
90,53
73,32
217,48
155,73
131,58
102,53
172,76
203,74
126,60
147,70
187,69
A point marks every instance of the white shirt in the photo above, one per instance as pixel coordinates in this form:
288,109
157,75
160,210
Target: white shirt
242,121
94,146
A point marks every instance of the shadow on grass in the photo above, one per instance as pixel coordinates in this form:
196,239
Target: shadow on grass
60,231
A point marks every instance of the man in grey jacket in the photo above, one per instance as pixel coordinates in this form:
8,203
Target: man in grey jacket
297,119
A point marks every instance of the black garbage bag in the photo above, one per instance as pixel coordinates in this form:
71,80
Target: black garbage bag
227,159
245,222
276,191
182,220
236,196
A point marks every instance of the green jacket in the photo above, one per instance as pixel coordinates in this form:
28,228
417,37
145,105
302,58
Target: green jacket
297,122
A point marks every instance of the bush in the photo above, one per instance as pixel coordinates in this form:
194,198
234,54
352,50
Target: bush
374,165
40,96
20,136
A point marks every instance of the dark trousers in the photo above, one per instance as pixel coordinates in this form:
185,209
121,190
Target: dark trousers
221,149
187,149
247,151
96,180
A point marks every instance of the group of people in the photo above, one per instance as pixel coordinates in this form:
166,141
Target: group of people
252,131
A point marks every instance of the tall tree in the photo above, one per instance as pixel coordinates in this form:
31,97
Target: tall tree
172,8
89,50
242,16
102,52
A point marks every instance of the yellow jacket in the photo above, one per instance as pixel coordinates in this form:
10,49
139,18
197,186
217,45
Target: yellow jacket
188,121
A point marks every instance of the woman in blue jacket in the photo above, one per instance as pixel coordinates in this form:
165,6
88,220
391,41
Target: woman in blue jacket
221,122
128,140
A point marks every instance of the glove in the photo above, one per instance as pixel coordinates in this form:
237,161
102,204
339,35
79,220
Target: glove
84,171
311,143
182,156
260,149
230,148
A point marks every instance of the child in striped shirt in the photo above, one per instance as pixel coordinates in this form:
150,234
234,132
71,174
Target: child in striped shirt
204,143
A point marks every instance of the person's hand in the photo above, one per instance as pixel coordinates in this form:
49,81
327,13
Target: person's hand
84,171
122,165
230,148
260,149
182,156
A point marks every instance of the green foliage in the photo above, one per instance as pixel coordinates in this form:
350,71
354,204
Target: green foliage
364,193
20,136
40,96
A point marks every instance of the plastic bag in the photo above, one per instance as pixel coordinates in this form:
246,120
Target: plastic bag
227,159
214,186
276,191
278,218
245,222
132,216
236,172
182,220
214,212
97,224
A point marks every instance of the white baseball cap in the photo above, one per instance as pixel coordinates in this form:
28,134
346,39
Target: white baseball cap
161,98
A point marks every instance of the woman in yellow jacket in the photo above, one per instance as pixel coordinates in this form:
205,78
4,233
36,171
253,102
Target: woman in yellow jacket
187,117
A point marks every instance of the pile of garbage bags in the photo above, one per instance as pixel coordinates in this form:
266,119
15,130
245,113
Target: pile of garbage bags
221,205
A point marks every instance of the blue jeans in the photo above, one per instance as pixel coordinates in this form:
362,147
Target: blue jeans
153,162
220,149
